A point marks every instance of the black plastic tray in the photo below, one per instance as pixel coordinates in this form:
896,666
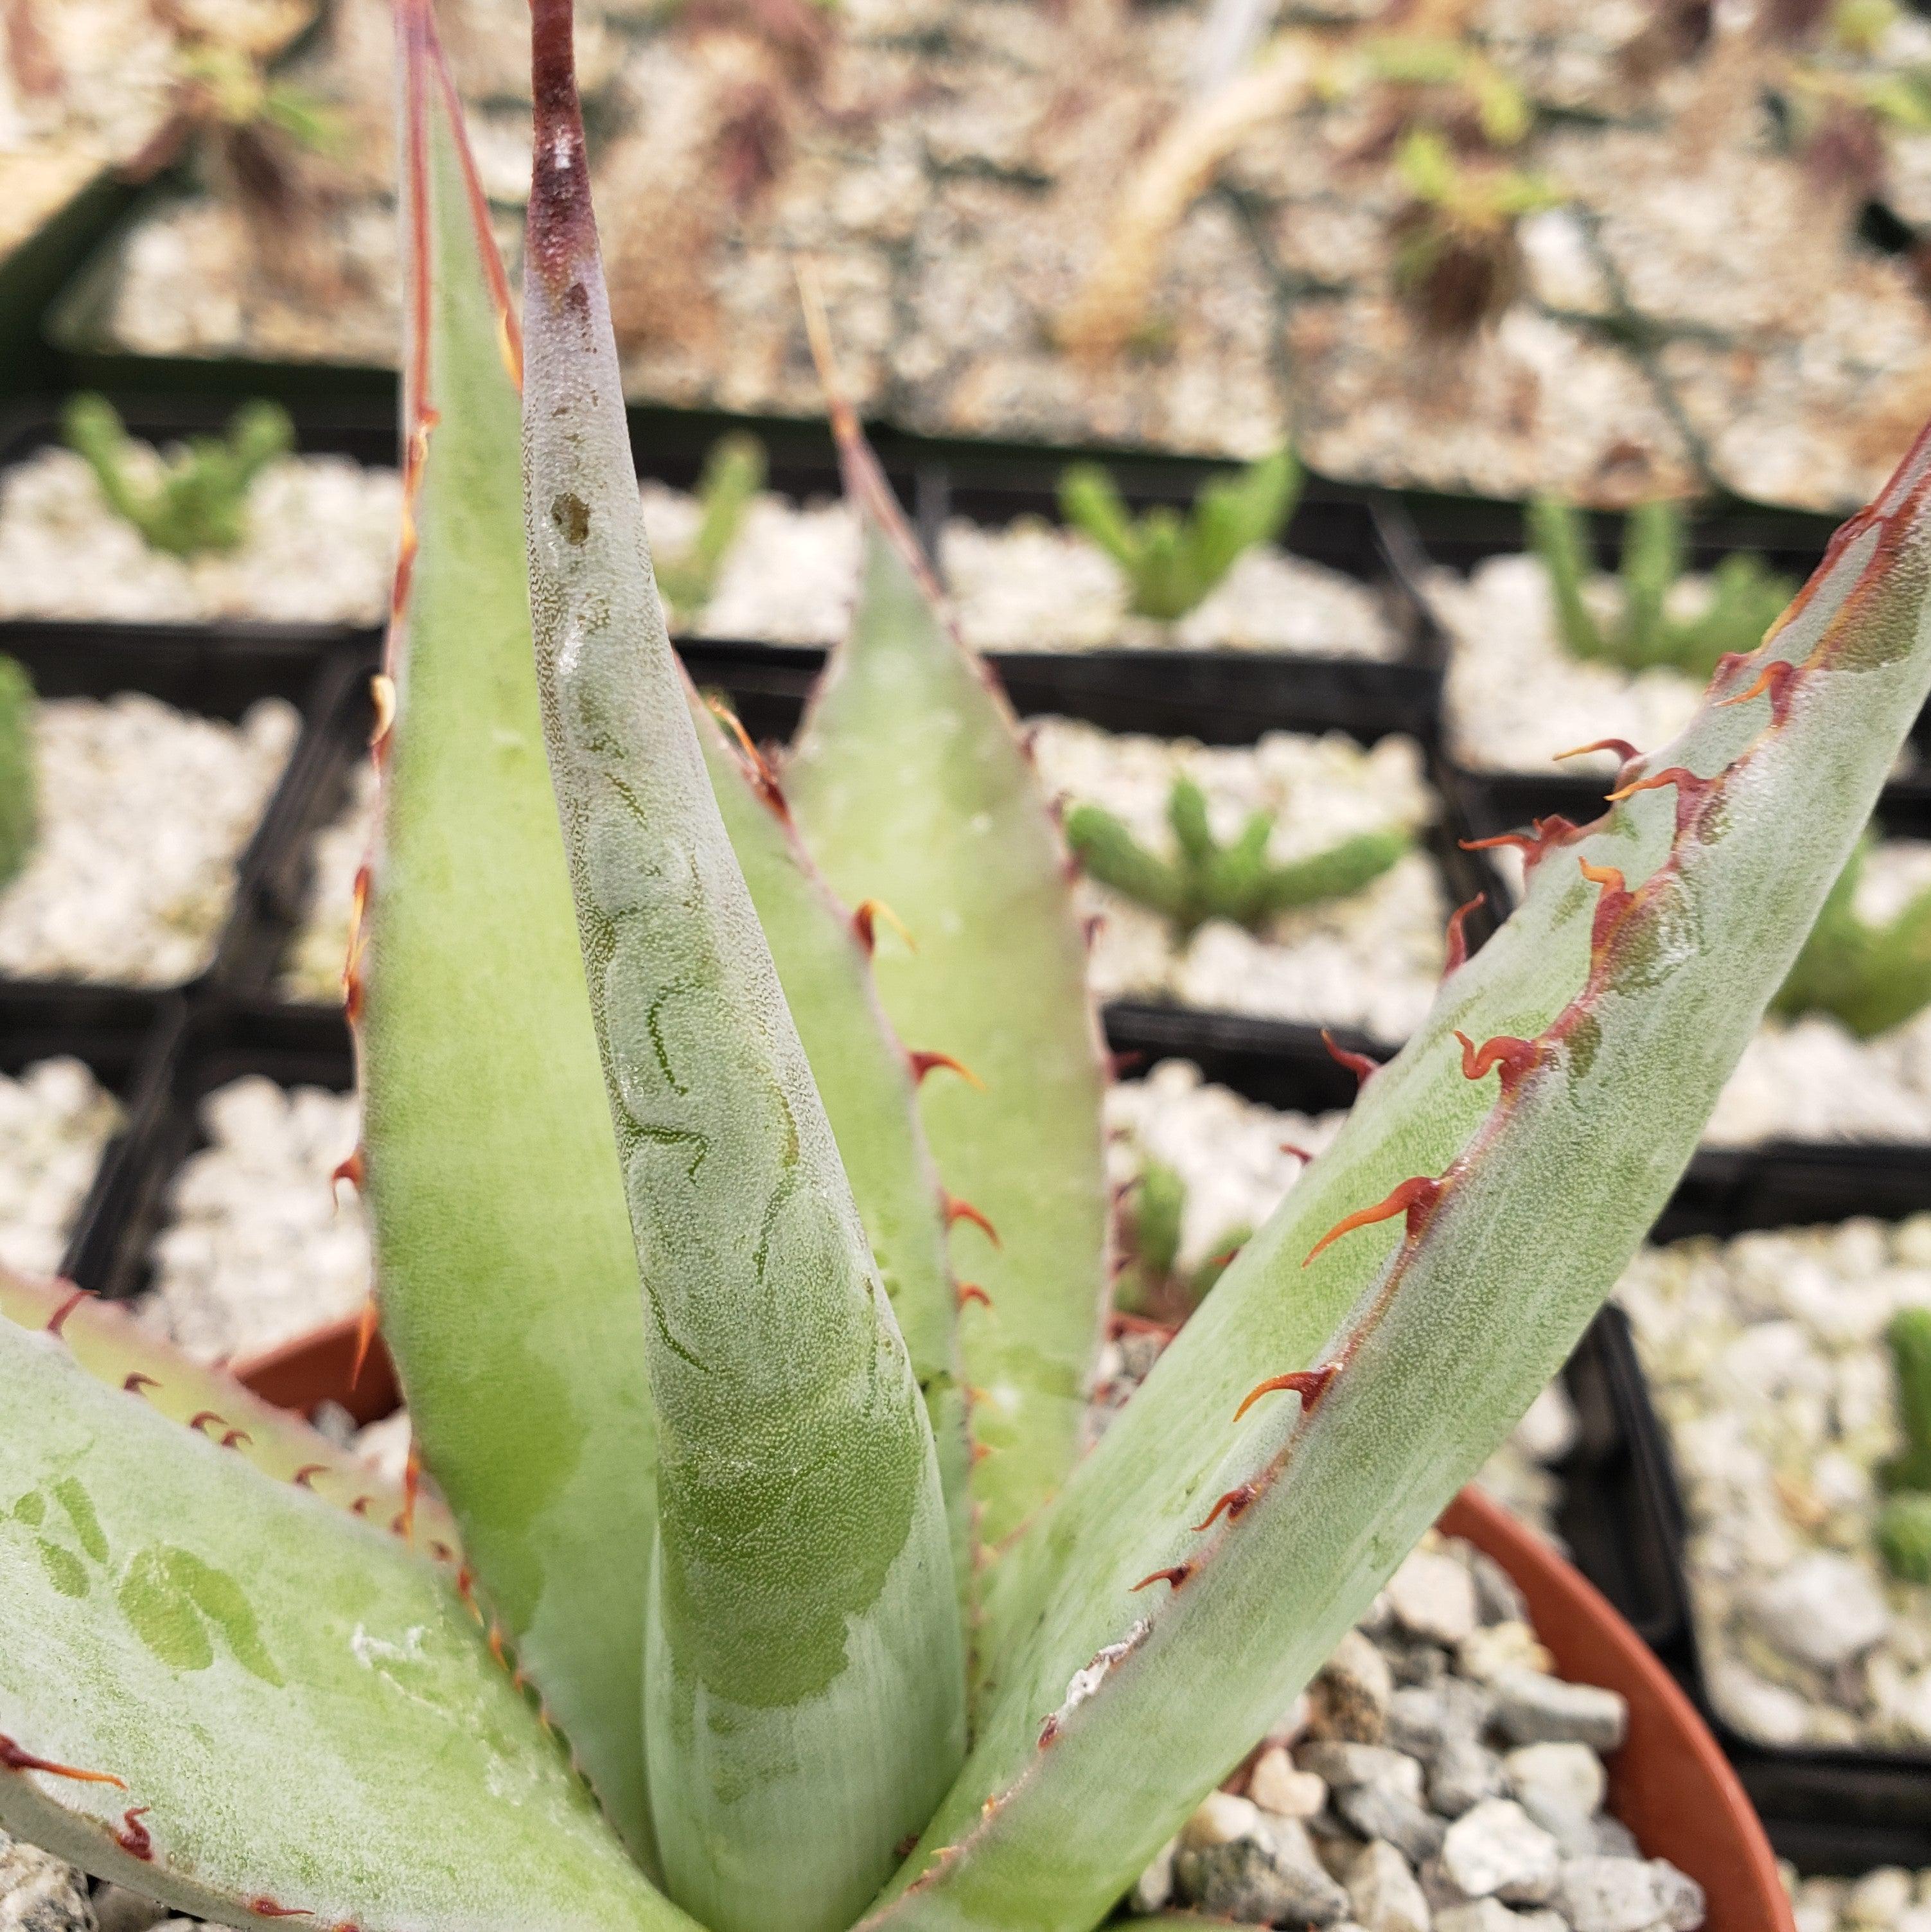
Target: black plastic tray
193,671
212,1044
124,1038
1840,1810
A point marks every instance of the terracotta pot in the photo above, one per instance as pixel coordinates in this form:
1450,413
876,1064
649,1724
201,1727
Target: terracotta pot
1669,1783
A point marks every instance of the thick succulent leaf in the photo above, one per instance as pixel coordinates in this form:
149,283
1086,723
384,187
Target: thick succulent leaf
870,1094
1604,1018
805,1701
506,1281
117,1352
911,787
283,1710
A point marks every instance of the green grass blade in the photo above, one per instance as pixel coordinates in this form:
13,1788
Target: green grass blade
805,1702
910,786
1612,1006
507,1283
299,1715
870,1097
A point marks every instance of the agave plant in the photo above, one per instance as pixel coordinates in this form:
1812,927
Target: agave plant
786,1531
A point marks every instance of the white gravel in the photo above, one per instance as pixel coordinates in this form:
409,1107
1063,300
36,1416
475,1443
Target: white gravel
1874,1902
791,577
312,969
56,1121
145,812
257,1250
1229,1152
1768,1362
320,548
1515,697
1370,960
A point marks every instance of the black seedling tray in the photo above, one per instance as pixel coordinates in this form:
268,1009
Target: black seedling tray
123,1037
212,1046
193,671
364,434
1837,1811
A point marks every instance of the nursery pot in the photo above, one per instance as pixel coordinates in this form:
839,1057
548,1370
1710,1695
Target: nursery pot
1669,1783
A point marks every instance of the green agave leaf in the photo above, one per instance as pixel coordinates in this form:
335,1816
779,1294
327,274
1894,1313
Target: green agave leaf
870,1097
910,786
1430,1270
221,1691
805,1699
506,1281
117,1352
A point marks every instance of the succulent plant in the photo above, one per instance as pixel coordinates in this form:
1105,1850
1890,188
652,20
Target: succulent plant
663,1260
1457,259
1152,1282
733,474
1206,878
19,781
1904,1518
199,501
1871,978
1745,595
1172,562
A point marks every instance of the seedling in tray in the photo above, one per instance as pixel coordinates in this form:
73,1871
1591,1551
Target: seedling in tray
1152,1282
1904,1523
19,779
1207,879
1871,978
733,475
662,1255
1173,562
1745,595
199,501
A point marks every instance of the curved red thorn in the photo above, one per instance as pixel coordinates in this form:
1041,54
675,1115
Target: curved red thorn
958,1210
1625,751
865,923
235,1438
970,1291
15,1757
1458,935
1310,1384
133,1837
1774,679
361,1505
66,1308
304,1478
349,1168
411,1484
1300,1153
135,1381
1414,1197
1534,845
1359,1064
980,1451
266,1908
1514,1056
496,1644
923,1064
203,1416
1174,1576
365,1335
441,1550
1231,1504
1609,877
1680,776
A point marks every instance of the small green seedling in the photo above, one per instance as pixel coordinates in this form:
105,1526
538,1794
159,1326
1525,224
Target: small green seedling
733,474
1746,596
1904,1523
199,503
1457,259
1871,978
1153,1282
1206,879
1482,99
1172,563
19,783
